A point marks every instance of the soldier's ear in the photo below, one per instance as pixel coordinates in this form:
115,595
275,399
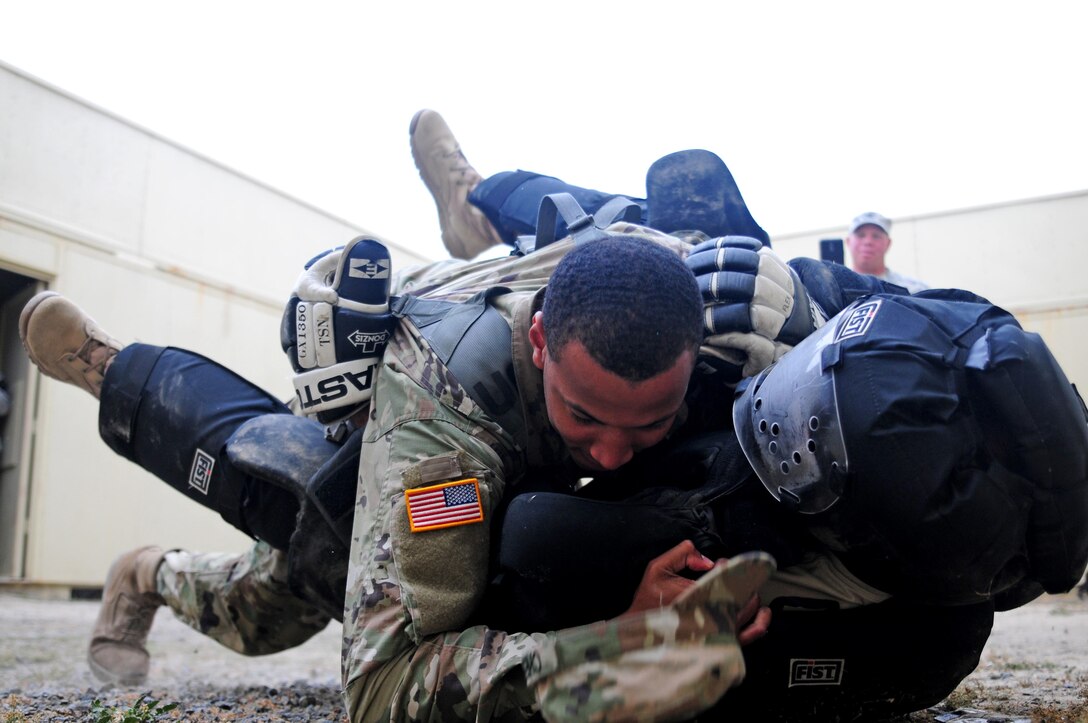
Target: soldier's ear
538,340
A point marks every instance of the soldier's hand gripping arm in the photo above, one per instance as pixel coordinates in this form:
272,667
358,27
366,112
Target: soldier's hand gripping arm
756,308
665,580
669,663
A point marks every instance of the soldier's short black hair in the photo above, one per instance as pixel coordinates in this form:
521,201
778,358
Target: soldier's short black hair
632,304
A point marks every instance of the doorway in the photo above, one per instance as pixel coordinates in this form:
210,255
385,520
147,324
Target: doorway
18,384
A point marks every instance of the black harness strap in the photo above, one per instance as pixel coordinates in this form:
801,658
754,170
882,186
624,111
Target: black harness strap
581,227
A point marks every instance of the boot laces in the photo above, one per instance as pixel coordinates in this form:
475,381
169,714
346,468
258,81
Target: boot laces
460,171
95,354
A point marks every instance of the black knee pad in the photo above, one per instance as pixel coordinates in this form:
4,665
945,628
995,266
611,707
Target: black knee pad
865,663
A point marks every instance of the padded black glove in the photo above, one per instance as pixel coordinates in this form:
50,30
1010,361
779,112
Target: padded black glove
756,308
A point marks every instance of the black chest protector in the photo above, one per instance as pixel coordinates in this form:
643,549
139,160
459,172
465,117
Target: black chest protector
473,341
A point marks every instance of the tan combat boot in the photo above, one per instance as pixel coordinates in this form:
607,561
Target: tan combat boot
129,602
449,177
66,344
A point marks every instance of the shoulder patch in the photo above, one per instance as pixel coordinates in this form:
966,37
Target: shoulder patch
445,505
446,466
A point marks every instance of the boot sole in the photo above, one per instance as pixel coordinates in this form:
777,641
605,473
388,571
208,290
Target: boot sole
107,676
28,310
415,120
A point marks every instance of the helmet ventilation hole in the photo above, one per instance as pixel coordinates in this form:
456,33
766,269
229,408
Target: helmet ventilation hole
775,429
813,423
785,468
797,457
811,446
773,447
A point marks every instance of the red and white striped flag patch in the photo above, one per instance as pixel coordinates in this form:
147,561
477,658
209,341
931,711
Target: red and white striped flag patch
445,505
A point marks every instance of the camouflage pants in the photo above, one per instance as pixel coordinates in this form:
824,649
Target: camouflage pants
240,601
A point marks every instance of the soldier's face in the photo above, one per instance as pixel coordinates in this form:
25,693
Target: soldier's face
603,418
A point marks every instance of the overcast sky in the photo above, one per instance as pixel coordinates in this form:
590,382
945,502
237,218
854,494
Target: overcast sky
820,109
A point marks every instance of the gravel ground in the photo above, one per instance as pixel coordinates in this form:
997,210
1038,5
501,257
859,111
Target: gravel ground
1035,668
44,674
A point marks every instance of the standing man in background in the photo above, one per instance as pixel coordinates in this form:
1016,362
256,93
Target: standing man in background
868,242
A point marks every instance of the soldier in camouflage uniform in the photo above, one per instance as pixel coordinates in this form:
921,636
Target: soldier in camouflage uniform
400,590
245,601
438,459
434,437
415,576
242,601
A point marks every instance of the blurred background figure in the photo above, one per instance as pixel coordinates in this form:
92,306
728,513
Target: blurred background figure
868,242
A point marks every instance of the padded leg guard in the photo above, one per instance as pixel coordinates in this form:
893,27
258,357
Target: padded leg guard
511,201
171,412
694,190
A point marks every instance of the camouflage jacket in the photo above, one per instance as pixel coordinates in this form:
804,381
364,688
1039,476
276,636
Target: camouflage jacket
433,471
406,589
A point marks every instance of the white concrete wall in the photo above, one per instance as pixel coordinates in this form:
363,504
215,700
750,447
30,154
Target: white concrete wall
1029,257
162,246
101,181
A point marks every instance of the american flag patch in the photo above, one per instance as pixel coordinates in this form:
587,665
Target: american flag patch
444,505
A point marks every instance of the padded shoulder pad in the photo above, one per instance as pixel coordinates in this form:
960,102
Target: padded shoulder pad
1035,424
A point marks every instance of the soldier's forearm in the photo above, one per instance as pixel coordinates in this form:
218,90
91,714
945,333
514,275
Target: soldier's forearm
474,674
